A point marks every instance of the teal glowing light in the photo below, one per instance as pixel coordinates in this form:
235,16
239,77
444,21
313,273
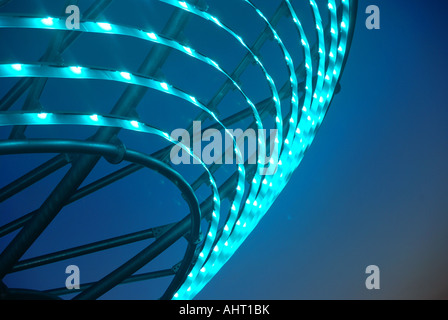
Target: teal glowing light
48,21
226,231
126,75
135,124
152,35
164,86
17,67
105,26
76,70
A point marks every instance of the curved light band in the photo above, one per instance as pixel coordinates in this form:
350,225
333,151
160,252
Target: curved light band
303,122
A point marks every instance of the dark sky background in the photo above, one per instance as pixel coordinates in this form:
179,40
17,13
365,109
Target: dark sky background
372,188
370,191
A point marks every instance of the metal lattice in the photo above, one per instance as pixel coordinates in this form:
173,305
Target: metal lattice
213,231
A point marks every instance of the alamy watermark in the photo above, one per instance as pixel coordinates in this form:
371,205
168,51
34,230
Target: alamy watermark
373,280
229,146
73,281
221,150
74,18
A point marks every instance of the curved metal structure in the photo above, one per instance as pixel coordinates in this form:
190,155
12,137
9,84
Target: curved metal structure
217,225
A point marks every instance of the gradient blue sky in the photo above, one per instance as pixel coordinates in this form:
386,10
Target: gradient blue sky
373,187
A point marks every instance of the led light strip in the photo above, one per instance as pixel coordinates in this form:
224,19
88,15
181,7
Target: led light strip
205,15
42,118
95,27
247,220
221,256
41,70
245,213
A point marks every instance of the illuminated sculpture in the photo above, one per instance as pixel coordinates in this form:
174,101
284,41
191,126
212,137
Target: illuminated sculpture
310,89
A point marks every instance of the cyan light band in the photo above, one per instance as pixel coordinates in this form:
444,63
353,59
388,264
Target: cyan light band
246,211
248,219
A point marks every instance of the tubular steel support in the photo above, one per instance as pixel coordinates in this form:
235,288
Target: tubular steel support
83,250
34,176
190,223
245,192
23,84
84,165
131,279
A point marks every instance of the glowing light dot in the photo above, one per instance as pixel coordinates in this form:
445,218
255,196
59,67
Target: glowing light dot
152,35
77,70
42,116
17,67
126,75
135,124
94,117
48,21
164,85
105,26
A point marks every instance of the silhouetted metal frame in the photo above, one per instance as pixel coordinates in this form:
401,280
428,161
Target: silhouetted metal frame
84,164
36,225
102,135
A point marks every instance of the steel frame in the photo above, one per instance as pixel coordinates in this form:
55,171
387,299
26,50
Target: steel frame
103,144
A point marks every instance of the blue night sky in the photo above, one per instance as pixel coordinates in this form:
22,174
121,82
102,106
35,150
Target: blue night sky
372,188
370,191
